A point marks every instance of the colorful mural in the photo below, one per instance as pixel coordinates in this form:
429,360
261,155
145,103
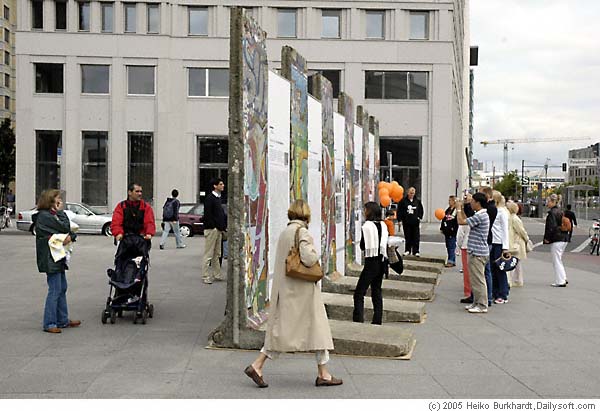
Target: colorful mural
255,100
367,178
374,128
346,108
293,68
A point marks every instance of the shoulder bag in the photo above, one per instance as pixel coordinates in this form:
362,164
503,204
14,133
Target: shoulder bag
296,269
507,263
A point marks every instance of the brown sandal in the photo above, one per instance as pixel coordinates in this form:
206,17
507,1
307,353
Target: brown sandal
322,382
258,380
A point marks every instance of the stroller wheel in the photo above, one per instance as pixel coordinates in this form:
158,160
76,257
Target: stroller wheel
104,316
137,316
151,310
113,316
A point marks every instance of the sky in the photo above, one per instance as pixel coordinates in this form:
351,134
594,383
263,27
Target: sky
538,77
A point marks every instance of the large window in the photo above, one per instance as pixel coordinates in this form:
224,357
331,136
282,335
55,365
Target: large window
37,14
7,35
396,85
130,17
286,22
330,23
95,79
406,161
94,184
7,80
107,17
48,154
141,162
334,76
84,16
198,21
6,58
213,161
6,13
7,102
153,18
419,25
48,78
211,82
375,24
140,80
60,7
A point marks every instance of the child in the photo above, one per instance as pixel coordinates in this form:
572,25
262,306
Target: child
390,215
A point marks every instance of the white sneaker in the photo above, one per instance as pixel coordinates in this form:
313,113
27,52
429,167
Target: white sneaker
478,310
417,255
407,253
468,307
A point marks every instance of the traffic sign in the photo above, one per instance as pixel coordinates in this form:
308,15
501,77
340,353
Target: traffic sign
525,181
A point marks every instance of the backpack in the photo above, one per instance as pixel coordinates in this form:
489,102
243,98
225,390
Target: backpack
168,212
565,225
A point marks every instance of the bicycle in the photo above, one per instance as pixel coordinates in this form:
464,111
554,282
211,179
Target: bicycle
5,217
594,233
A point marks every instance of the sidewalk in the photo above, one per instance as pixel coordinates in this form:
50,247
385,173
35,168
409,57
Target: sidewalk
544,343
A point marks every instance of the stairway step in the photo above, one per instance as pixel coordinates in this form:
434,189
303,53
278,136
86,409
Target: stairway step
426,258
399,290
417,265
340,307
408,275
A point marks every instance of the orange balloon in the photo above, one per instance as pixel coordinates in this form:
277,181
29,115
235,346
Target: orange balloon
395,183
396,193
381,185
384,192
440,213
389,186
385,201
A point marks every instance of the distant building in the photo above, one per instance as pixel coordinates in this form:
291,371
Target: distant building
7,82
584,165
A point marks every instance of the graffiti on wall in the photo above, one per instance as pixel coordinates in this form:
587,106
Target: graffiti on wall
374,127
294,69
346,108
255,100
367,180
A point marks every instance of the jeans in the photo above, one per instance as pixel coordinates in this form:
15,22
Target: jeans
488,277
56,313
372,275
451,248
167,227
500,287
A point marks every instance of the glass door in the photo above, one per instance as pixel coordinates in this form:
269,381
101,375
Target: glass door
213,155
48,158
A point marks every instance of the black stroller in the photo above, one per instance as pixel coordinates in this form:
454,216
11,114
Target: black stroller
129,281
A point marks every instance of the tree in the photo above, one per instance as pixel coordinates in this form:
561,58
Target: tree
510,185
7,155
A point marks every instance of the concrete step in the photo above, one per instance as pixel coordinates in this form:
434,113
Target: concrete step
411,276
417,265
426,258
399,290
340,307
364,339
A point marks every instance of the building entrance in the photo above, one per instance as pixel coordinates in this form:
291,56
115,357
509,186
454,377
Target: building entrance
213,162
406,161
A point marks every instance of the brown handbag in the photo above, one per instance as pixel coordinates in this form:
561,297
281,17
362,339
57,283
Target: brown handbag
296,269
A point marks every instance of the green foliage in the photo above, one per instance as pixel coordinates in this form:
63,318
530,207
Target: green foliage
510,185
7,153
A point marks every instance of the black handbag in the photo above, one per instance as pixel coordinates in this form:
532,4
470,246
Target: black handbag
395,260
508,263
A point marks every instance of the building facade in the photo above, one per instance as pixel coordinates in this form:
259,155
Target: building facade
116,91
584,165
7,83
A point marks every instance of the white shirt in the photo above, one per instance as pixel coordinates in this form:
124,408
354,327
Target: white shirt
500,228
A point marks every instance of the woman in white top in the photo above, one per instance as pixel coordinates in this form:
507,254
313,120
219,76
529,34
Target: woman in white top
500,246
518,243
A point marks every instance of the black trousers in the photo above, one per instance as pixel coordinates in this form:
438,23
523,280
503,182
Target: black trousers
371,276
412,235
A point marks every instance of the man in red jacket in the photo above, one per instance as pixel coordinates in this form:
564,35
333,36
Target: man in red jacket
133,216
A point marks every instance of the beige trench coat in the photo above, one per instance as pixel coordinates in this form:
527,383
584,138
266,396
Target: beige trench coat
297,318
518,237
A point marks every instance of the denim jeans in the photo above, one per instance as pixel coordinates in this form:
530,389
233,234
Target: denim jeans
488,277
167,228
500,287
56,313
451,248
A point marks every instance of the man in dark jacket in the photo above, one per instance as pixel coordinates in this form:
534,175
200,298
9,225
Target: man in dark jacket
557,240
411,214
571,216
133,216
449,227
171,220
214,226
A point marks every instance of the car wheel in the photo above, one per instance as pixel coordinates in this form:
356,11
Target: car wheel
185,231
32,229
106,230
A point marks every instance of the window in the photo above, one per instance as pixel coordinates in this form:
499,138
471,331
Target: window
130,16
48,150
406,160
419,25
7,102
107,18
330,20
94,183
7,35
140,80
6,58
198,21
60,8
48,78
396,85
84,16
286,22
6,13
212,82
375,24
94,79
141,162
153,18
334,76
37,14
7,80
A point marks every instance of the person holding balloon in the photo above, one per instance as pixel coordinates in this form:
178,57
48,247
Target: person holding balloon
411,214
449,227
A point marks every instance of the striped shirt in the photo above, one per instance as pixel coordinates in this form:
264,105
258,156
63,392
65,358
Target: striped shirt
480,226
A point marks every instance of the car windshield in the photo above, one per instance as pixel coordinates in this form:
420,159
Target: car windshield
185,208
93,209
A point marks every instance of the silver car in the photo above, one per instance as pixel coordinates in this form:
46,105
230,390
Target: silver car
89,219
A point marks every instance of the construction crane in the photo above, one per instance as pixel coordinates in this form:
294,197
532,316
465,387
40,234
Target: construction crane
506,141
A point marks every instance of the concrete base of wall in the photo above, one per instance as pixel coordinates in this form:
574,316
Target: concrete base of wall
399,290
341,306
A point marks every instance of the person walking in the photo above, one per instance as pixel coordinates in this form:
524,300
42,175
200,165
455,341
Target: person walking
49,220
500,245
411,214
557,240
374,243
518,243
133,216
449,228
571,216
171,220
297,320
478,251
214,226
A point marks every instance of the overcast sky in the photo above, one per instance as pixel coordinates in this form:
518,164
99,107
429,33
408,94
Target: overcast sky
538,77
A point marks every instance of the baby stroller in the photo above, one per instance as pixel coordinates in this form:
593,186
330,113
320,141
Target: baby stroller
129,281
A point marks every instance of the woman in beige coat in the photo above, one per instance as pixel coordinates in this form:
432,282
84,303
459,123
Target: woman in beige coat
297,318
518,243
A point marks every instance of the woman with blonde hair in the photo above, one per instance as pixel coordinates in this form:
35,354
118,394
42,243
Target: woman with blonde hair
500,246
518,243
297,317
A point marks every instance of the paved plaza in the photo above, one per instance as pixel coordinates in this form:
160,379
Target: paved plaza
545,343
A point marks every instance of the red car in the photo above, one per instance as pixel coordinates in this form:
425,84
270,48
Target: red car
191,219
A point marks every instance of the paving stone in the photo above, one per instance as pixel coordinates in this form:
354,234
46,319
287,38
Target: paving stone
400,290
340,307
371,340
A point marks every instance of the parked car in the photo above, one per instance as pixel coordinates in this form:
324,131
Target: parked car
89,219
191,220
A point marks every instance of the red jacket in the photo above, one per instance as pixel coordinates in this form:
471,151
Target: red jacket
117,219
